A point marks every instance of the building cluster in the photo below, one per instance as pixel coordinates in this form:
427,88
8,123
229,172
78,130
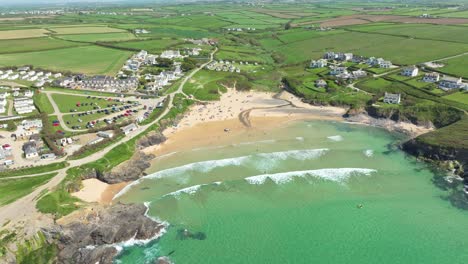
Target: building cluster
342,72
107,83
24,105
241,29
331,56
157,82
444,82
171,54
225,66
203,41
25,73
99,82
141,31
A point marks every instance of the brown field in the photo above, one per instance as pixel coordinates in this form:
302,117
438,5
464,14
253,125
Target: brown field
24,33
84,30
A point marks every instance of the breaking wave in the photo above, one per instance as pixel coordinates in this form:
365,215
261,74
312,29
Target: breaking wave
336,138
369,153
336,175
262,161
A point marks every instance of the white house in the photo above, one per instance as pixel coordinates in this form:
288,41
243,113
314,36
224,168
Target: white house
449,83
318,63
127,129
171,54
410,71
338,70
431,77
392,98
385,64
29,93
105,134
320,83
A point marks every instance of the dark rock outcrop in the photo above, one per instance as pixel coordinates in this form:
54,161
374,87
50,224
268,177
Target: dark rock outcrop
91,240
454,159
128,171
151,139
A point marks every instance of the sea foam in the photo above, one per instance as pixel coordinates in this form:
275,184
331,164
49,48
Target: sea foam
336,175
261,161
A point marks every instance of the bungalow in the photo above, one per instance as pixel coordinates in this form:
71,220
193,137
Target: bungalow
392,98
359,74
410,71
385,64
32,124
338,70
449,83
24,68
344,56
30,150
431,77
105,134
29,93
318,63
13,77
127,129
320,83
171,54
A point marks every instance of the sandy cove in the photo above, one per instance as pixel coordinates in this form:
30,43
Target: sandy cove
237,113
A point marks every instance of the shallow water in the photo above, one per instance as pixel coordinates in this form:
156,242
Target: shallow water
310,192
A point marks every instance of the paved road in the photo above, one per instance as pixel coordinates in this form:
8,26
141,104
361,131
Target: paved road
24,209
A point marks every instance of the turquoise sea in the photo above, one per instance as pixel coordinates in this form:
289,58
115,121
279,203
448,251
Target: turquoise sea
308,192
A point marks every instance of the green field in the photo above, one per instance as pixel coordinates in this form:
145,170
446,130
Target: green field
456,66
13,189
423,31
104,37
87,59
154,45
35,44
399,50
461,97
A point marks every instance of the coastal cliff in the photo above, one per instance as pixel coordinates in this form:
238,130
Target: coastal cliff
447,146
95,235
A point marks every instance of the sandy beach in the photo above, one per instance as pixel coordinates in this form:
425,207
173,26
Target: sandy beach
238,114
95,190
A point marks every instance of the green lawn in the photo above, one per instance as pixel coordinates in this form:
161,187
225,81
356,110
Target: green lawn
87,59
67,102
58,202
13,189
